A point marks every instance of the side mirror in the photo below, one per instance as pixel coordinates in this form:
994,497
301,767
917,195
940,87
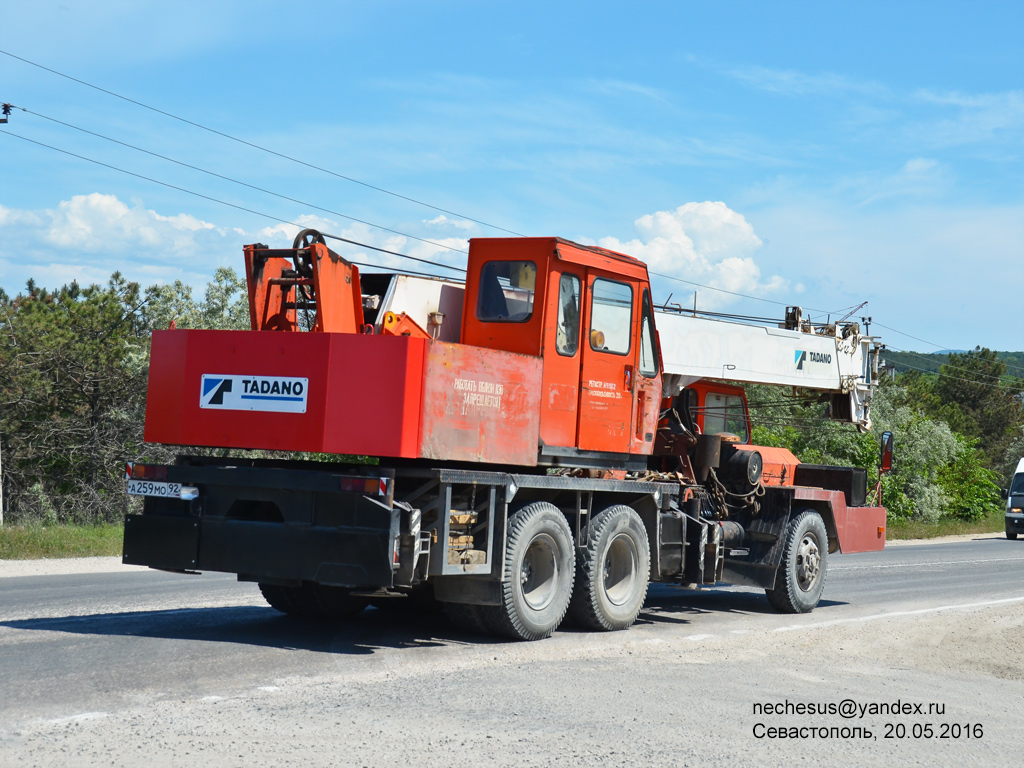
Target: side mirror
1005,493
885,459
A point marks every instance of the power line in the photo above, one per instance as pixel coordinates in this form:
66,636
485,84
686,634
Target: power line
236,181
955,367
259,147
222,202
994,385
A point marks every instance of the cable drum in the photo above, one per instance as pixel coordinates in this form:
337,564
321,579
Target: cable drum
742,467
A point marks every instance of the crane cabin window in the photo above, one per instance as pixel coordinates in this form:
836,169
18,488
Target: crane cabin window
724,413
648,353
567,335
506,291
611,316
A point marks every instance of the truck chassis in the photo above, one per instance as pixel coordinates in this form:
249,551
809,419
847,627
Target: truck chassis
507,553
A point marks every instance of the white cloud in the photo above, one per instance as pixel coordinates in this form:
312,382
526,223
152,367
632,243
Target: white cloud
441,219
920,177
91,236
792,83
706,243
979,118
102,222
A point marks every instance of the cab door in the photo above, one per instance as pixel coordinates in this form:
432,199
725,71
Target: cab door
647,389
608,368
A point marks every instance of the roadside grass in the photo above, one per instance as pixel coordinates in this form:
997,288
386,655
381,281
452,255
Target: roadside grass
31,542
916,529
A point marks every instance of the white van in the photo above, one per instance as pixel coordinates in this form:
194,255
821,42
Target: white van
1015,503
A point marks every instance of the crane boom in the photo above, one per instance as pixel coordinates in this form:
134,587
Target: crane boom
838,360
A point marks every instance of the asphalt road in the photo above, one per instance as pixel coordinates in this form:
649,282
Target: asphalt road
83,654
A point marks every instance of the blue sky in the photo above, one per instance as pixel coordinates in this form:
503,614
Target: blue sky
820,154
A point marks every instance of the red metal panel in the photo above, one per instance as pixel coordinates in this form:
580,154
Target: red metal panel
173,413
166,383
480,405
859,529
374,395
364,392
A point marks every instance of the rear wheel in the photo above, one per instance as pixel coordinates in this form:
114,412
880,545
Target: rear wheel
539,564
801,575
612,572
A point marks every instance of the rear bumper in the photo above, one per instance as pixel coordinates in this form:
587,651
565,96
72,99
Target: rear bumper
261,551
271,524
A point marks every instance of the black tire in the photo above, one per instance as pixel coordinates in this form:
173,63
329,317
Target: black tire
313,601
1011,535
801,575
612,572
539,570
468,618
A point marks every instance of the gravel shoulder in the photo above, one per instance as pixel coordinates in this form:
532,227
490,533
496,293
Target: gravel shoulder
61,566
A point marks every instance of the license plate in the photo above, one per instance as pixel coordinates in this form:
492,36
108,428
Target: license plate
166,490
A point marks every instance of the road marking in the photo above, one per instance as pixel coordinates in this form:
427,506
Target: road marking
924,565
894,614
698,637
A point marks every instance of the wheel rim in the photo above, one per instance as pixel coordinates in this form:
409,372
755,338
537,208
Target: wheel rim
539,573
620,569
808,562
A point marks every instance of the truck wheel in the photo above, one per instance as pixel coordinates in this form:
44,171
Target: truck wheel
612,572
539,561
801,575
1011,535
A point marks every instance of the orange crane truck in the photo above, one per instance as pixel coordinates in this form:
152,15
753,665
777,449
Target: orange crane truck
539,438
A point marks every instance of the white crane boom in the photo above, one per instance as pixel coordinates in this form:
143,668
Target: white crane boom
836,359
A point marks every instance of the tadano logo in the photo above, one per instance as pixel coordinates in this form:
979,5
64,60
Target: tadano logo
803,356
281,394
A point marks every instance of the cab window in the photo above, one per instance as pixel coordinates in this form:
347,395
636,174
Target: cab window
567,335
724,413
611,315
648,352
506,291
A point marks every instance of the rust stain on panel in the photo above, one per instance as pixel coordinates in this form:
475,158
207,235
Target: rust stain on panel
480,405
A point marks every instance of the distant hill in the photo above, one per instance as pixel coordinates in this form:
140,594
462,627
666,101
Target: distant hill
930,362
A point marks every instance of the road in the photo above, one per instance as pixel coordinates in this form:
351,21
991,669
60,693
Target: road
104,667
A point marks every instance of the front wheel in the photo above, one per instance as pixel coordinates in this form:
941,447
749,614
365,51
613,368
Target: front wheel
1011,535
539,563
801,575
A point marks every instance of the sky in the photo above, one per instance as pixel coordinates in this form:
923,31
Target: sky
773,153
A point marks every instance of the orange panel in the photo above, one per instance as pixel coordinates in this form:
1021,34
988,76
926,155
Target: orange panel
480,405
560,386
607,381
779,464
